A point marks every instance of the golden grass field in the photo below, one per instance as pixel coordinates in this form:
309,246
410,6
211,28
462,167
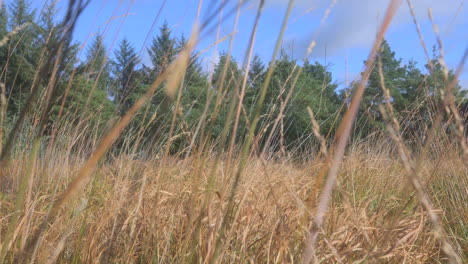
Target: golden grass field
160,210
375,200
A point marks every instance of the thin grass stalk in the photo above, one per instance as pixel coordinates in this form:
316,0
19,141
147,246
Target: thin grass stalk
316,131
413,175
248,58
448,96
38,76
22,201
4,41
207,134
438,118
3,108
75,8
448,102
337,150
83,176
248,142
310,48
209,97
106,58
3,100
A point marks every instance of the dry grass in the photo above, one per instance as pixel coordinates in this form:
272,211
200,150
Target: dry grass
383,201
138,211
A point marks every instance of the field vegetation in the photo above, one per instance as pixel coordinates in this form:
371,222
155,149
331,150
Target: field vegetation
104,159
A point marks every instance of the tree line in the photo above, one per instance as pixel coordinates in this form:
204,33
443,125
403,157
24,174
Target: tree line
106,84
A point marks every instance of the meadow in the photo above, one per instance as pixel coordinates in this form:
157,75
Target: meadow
104,161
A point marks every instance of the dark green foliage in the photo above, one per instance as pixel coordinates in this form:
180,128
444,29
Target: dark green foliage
194,90
256,73
97,67
223,87
126,77
324,101
415,96
256,78
100,109
21,13
22,56
3,33
3,48
314,88
394,77
99,89
162,50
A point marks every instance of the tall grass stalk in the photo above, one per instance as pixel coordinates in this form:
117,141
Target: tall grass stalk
336,152
246,149
154,185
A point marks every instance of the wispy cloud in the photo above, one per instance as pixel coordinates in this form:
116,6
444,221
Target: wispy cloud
353,23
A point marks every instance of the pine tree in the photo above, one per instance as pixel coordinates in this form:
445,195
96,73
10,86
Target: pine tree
3,33
255,80
256,72
49,37
99,109
195,85
3,20
232,73
314,88
20,13
194,75
46,19
125,75
162,50
223,89
96,66
412,86
394,75
280,79
437,81
23,54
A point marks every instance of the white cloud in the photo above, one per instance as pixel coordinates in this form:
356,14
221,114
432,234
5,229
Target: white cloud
353,23
464,84
211,61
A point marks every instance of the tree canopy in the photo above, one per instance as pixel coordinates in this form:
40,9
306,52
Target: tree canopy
104,84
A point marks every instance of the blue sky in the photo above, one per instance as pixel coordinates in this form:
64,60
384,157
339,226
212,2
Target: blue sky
346,35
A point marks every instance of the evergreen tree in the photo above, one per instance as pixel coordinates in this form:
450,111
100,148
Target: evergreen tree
412,85
22,56
323,100
256,78
195,86
3,33
100,109
3,20
194,75
232,73
21,13
257,70
49,37
162,50
437,81
46,20
125,75
280,81
394,76
96,66
314,88
223,90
